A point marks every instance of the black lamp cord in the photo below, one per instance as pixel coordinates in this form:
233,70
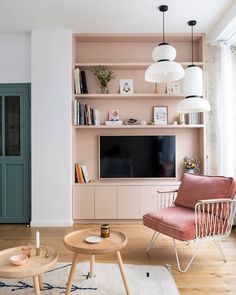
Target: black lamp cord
163,27
192,43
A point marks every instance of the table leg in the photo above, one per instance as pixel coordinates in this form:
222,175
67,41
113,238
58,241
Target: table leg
40,281
36,285
122,271
72,272
92,259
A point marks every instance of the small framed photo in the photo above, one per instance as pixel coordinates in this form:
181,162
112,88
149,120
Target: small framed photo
113,115
126,86
160,115
173,87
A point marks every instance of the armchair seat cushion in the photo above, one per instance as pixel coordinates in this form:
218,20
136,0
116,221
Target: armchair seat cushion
177,222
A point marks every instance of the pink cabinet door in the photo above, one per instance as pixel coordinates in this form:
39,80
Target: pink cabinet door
83,202
128,202
106,202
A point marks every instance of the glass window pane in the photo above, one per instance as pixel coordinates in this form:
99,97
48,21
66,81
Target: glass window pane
0,126
12,125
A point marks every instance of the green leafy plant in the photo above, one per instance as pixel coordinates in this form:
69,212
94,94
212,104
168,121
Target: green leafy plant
103,74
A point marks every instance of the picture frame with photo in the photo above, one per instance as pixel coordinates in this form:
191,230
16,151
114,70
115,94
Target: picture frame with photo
126,86
173,87
160,114
113,115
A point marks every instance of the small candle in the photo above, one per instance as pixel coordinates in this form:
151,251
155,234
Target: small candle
37,239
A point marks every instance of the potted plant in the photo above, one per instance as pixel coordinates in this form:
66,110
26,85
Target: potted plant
192,165
104,76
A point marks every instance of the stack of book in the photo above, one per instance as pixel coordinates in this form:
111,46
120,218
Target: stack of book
193,118
83,114
81,174
80,81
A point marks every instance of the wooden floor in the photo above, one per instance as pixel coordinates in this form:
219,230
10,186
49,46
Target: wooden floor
208,274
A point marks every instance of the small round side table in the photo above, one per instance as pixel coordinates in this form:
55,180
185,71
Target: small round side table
33,267
75,241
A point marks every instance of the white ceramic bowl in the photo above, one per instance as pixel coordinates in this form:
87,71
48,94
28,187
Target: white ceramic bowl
18,259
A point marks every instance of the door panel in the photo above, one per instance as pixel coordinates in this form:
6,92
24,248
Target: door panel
12,126
1,186
1,116
15,153
15,193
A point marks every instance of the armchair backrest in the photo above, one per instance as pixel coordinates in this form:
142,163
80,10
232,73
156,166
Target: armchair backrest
194,188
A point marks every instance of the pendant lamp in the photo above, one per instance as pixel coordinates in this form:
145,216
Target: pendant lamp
164,69
193,88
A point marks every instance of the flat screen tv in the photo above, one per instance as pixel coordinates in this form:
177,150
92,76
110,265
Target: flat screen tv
137,156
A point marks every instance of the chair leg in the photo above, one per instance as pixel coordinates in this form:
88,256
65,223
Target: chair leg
220,250
153,239
191,260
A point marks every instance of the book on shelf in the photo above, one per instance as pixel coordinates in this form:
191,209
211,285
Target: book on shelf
85,173
79,175
74,111
83,114
77,81
193,118
83,82
96,115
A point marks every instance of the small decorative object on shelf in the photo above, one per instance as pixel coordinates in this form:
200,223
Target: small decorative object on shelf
156,89
182,119
173,87
160,115
143,122
104,76
192,165
126,86
113,115
131,121
114,123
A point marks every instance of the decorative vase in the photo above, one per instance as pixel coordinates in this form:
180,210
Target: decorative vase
192,171
103,90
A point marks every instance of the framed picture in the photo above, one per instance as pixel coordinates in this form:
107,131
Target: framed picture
126,86
160,115
173,87
113,115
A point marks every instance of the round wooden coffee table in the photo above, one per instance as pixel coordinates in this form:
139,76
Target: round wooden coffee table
75,241
33,267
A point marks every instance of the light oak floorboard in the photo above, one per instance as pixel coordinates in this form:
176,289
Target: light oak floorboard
208,274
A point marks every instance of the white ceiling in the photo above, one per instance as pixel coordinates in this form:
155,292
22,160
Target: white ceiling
107,16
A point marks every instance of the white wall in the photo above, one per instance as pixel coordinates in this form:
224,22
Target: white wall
15,58
51,58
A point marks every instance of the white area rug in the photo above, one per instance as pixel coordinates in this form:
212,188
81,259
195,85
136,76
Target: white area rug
142,279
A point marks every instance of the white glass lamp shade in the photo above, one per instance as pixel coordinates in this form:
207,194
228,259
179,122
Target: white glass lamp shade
193,105
192,85
164,69
163,51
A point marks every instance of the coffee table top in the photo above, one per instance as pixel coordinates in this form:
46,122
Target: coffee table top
33,266
75,241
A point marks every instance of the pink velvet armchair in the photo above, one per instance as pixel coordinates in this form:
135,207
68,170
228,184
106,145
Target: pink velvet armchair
202,209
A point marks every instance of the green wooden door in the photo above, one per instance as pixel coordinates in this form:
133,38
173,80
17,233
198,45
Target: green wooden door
14,153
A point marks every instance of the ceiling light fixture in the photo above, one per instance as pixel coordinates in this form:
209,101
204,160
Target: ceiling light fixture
164,69
192,87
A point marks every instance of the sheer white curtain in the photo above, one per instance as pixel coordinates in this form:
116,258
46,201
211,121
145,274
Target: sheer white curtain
226,112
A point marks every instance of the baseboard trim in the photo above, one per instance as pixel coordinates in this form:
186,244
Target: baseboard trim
51,223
